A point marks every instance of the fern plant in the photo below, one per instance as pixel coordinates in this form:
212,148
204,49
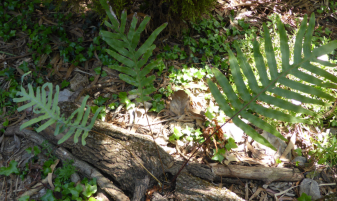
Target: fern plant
233,104
48,109
124,49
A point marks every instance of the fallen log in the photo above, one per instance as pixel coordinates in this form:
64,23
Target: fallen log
267,174
118,152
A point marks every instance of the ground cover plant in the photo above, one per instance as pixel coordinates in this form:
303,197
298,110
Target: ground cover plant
211,57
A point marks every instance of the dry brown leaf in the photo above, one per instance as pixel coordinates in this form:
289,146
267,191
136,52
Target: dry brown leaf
77,31
42,60
70,70
50,175
48,21
180,100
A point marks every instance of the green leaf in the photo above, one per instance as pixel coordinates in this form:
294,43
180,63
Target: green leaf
98,70
209,113
231,144
37,150
24,198
48,196
10,169
75,192
24,66
100,100
220,155
176,135
304,197
29,150
64,84
89,190
123,96
5,123
113,105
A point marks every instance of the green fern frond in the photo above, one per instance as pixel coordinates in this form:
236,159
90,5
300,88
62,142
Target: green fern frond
49,109
124,50
269,85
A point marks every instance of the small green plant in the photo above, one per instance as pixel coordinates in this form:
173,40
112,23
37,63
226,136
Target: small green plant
11,169
157,104
49,110
36,150
176,135
123,97
124,50
219,155
64,84
304,197
326,151
298,151
64,173
195,135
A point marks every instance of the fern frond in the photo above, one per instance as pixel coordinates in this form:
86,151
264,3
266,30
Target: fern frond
49,109
269,85
124,49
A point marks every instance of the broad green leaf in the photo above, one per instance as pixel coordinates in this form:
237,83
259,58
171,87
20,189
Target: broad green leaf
24,198
231,144
220,155
10,169
304,197
89,190
48,196
176,135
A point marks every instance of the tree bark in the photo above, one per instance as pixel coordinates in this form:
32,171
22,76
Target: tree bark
108,149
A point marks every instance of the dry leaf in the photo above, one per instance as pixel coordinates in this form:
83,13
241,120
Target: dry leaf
180,100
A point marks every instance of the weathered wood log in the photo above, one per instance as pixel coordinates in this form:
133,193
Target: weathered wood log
267,174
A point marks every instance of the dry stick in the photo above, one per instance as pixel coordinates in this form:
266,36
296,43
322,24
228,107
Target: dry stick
17,57
253,99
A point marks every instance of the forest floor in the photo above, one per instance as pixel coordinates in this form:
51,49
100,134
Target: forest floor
63,47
